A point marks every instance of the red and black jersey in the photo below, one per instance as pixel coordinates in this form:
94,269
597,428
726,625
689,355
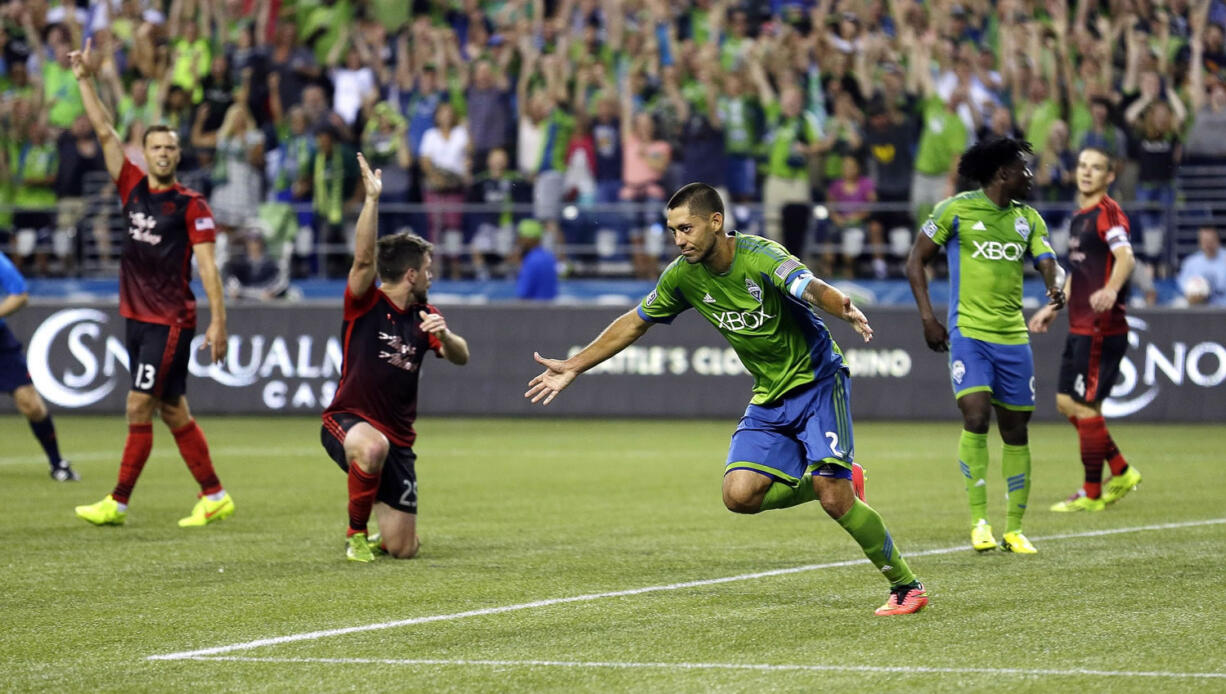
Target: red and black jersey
155,265
1093,234
383,348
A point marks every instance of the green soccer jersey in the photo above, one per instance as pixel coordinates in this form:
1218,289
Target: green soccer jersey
986,245
778,337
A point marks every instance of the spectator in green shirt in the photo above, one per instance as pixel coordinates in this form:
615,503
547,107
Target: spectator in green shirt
34,161
60,91
793,138
943,137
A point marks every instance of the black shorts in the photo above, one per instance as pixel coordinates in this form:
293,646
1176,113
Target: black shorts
398,484
1089,366
157,358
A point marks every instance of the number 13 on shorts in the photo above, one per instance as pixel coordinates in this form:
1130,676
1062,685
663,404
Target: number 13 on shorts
144,377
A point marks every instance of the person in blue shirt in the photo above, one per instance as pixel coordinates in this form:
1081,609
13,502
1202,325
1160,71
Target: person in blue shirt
538,268
1208,264
15,376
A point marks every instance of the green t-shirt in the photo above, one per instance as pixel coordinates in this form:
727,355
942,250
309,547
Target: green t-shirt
62,94
1042,117
192,64
986,245
943,139
782,133
130,113
740,119
30,161
779,338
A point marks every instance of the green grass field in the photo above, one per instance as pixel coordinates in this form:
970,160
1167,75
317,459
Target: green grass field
518,515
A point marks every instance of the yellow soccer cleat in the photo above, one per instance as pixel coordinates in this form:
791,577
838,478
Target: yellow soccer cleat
1017,543
981,537
206,511
105,512
1118,486
1078,502
357,548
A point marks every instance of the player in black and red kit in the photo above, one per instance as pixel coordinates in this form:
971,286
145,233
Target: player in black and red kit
386,333
166,224
1100,257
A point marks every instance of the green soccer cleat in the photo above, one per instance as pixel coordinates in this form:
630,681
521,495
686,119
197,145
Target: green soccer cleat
1078,502
981,537
357,548
105,512
1017,543
206,511
376,545
1118,486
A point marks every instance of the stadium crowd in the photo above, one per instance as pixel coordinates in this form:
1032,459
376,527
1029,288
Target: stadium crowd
830,125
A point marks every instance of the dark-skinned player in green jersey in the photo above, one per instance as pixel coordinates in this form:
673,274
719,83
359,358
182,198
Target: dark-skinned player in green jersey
987,234
794,443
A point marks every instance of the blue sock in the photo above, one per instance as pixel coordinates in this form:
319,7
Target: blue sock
44,431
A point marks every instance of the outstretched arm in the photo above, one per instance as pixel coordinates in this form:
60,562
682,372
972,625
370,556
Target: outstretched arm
836,303
558,373
362,272
112,147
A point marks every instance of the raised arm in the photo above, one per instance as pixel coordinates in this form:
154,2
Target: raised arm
362,273
104,127
558,373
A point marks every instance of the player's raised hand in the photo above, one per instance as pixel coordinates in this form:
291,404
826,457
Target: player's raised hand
82,61
433,323
936,336
858,320
373,182
216,341
553,379
1041,319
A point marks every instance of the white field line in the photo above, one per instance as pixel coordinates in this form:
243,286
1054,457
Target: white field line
759,667
313,635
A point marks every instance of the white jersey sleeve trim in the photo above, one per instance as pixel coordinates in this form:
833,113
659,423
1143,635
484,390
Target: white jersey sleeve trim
1116,237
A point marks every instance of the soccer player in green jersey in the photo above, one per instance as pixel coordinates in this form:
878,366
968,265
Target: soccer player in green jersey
794,443
986,234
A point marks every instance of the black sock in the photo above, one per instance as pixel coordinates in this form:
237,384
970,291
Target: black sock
44,431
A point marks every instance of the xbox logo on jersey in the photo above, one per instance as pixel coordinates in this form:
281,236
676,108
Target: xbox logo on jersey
995,250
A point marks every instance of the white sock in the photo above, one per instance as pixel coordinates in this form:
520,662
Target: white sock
122,506
216,496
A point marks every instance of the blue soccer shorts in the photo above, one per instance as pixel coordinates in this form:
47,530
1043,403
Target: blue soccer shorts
13,370
807,430
1005,371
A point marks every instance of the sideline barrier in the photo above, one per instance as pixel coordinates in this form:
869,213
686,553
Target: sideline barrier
286,359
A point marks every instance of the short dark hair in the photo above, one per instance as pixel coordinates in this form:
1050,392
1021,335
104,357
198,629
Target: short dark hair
1099,150
159,128
985,158
701,198
395,254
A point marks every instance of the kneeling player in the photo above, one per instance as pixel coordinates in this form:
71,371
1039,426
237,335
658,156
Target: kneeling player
1098,332
368,428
